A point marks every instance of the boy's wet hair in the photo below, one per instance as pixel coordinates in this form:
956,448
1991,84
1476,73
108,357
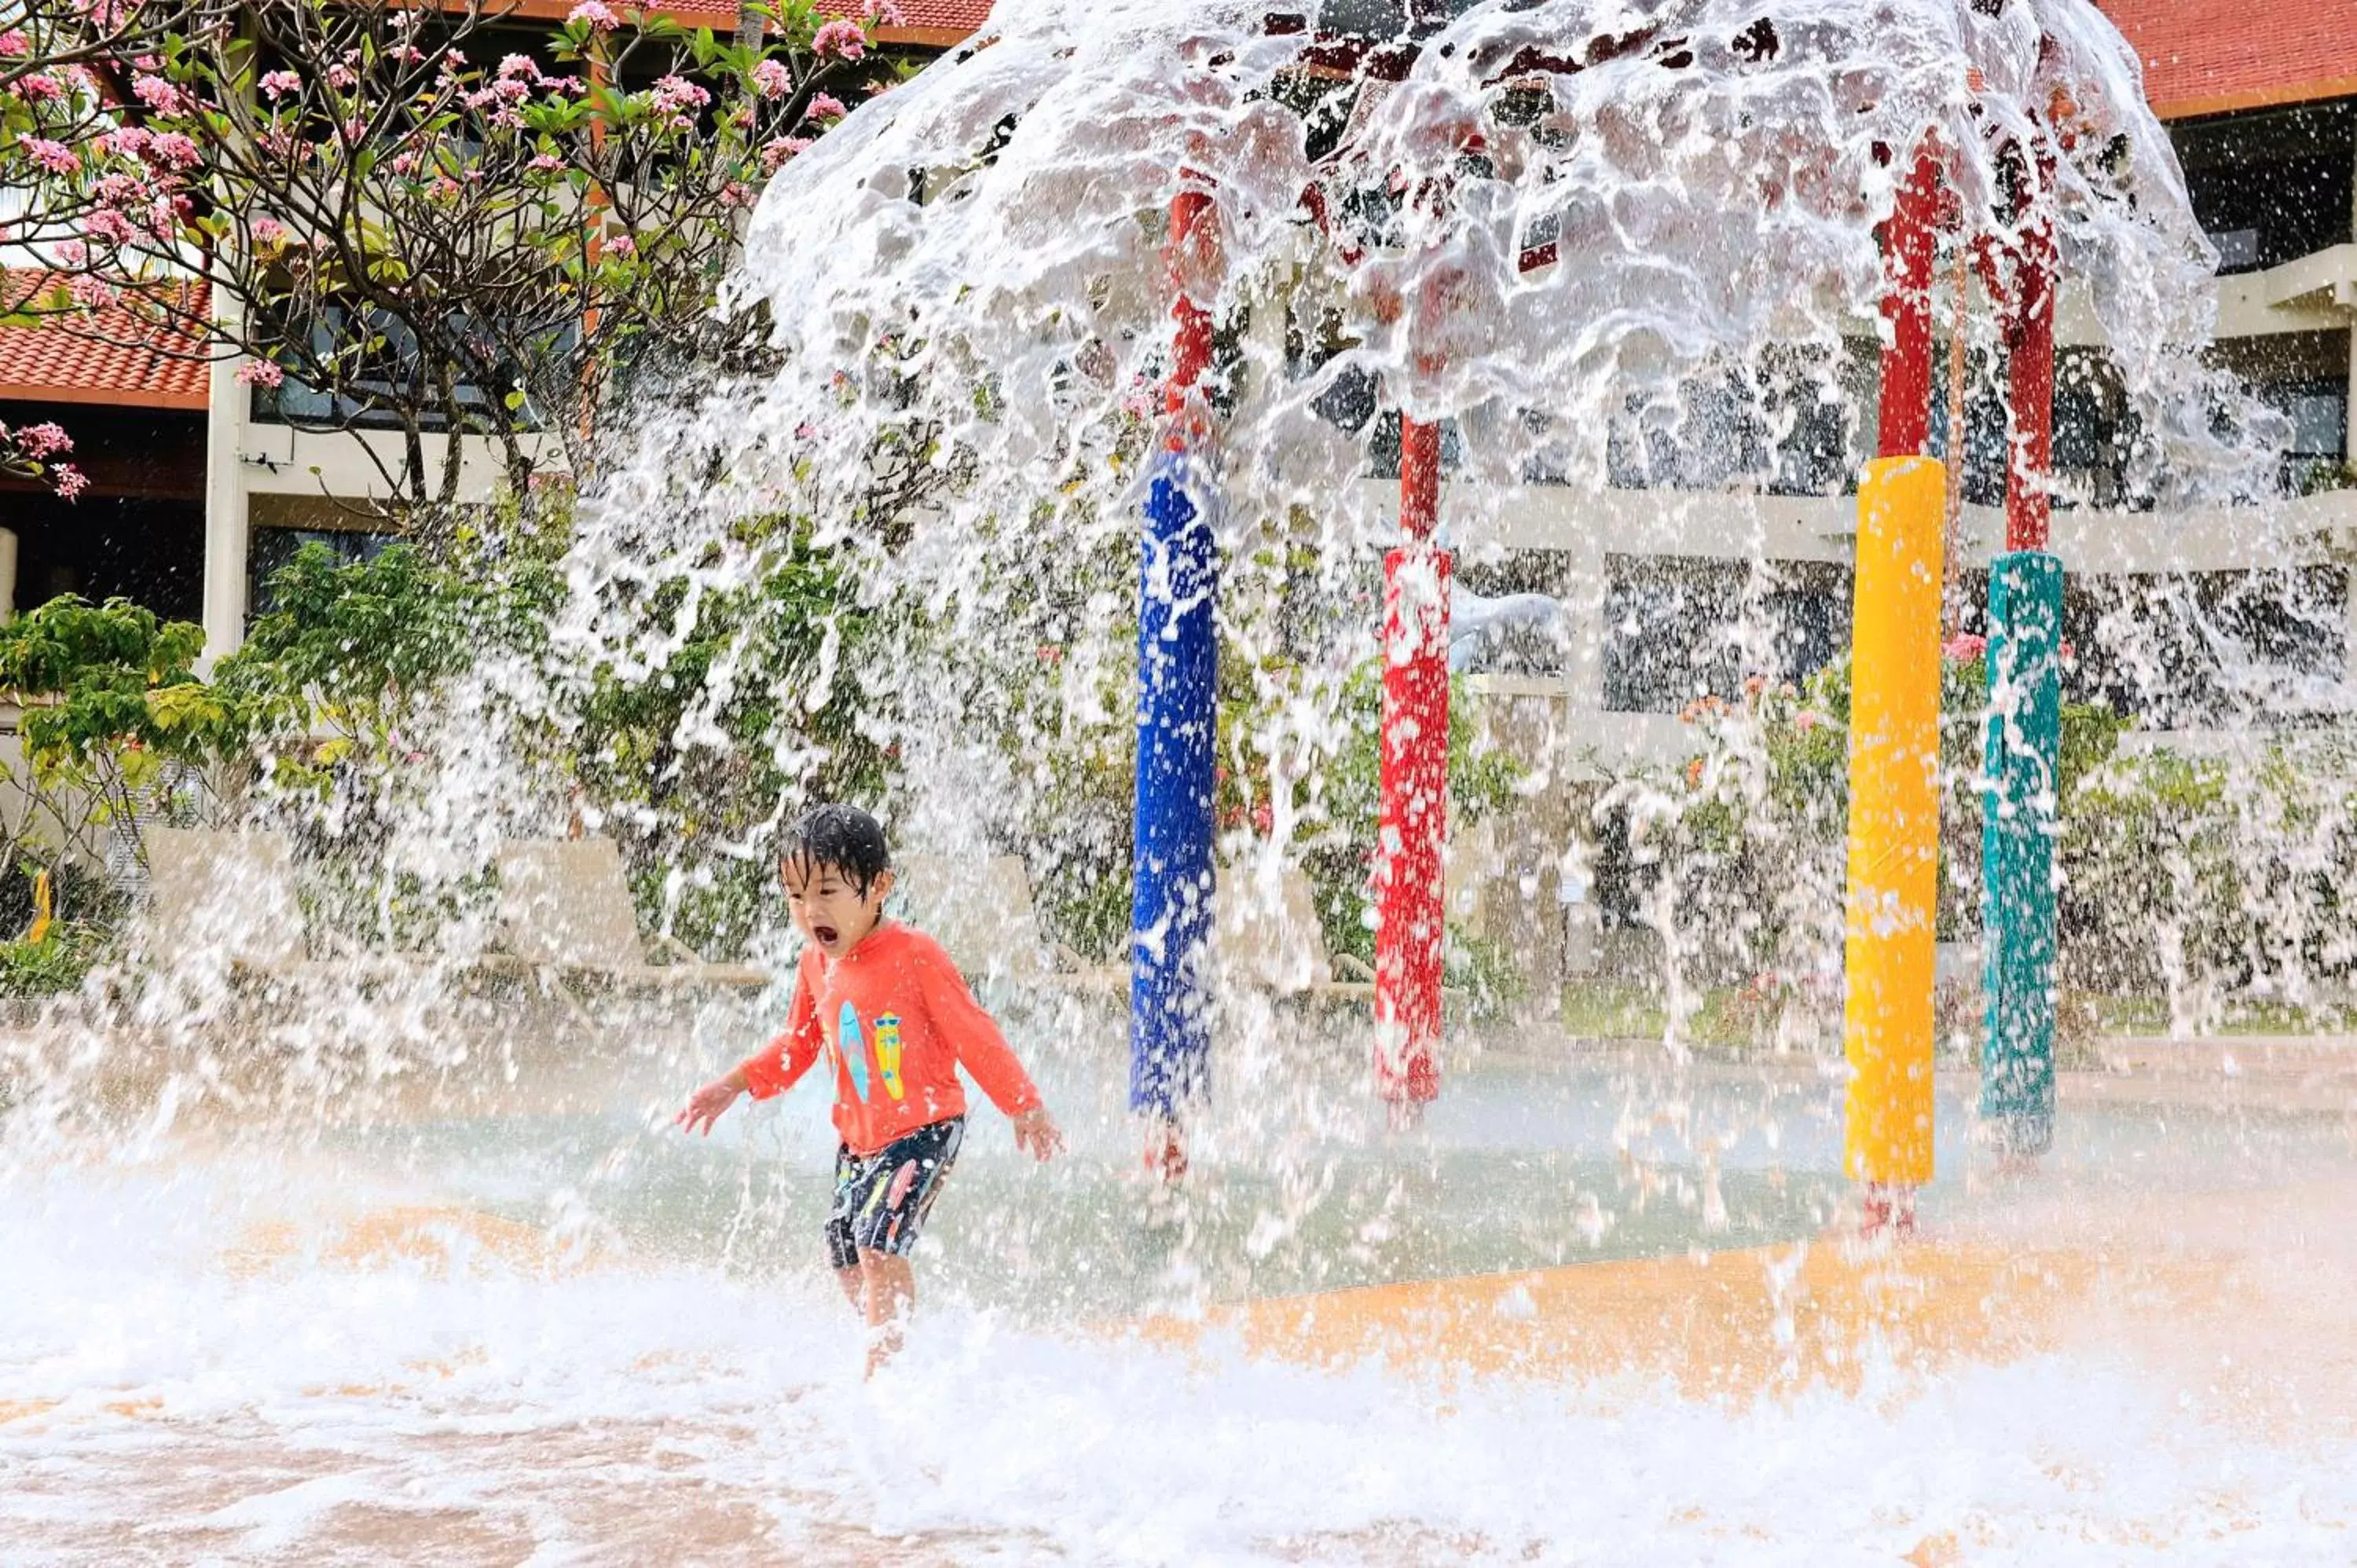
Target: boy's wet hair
841,839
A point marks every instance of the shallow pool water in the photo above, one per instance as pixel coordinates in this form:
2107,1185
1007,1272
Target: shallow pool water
583,1337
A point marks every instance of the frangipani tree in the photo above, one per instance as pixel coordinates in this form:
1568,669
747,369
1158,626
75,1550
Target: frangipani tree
424,220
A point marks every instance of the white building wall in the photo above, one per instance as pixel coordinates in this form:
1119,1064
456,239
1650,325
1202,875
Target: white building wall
225,509
260,475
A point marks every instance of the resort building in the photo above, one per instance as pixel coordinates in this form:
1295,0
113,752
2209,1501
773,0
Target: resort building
1679,582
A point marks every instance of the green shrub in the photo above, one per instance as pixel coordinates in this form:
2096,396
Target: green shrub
56,964
1752,826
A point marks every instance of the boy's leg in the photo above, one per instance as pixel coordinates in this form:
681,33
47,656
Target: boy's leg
854,1280
887,1227
891,1294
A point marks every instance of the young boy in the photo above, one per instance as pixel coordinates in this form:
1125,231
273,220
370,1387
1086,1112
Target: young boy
895,1021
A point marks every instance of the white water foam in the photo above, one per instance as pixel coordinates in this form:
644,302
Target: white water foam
194,1368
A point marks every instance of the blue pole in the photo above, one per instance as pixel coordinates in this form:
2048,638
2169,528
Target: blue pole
2023,762
1170,927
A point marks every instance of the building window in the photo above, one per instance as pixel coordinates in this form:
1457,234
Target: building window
1681,626
1531,646
2274,184
1984,449
272,548
1789,425
2318,447
2101,458
2206,650
391,376
2304,378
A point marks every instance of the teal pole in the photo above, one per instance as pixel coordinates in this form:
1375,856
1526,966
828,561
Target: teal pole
2019,819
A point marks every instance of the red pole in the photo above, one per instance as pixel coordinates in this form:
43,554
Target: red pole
1419,478
2029,368
1414,785
1191,345
1413,836
1909,243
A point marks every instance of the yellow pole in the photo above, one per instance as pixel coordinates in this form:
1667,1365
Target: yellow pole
1894,821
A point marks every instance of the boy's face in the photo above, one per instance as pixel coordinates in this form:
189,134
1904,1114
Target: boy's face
827,904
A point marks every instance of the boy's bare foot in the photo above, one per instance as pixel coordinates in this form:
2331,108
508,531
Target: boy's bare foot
1166,1153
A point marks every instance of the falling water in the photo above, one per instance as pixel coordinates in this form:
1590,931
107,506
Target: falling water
366,1262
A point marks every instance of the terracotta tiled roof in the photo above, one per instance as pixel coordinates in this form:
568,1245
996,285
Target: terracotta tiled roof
935,24
960,16
2205,57
110,358
938,23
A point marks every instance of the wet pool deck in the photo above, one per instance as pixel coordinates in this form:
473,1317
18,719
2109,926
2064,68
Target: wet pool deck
2242,1307
1726,1325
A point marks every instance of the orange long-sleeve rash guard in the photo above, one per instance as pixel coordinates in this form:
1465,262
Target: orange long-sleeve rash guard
895,1020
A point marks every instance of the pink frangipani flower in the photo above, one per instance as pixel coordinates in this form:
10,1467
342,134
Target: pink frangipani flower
840,40
43,440
159,95
673,93
51,156
110,227
173,151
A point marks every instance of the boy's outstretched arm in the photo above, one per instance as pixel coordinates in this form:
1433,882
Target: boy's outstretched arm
985,1054
1035,1130
770,1072
706,1104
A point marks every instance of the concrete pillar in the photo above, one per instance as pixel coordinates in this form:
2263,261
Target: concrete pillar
2349,457
1582,918
227,405
1505,881
2348,406
8,573
1583,665
1578,927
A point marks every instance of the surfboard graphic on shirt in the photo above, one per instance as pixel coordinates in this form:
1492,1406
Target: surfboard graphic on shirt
853,1047
888,1052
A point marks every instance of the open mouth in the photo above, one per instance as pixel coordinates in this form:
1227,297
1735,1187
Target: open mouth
826,935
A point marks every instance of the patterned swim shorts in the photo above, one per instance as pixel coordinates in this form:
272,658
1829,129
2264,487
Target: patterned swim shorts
881,1200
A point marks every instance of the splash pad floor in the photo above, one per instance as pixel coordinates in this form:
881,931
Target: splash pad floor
403,1344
